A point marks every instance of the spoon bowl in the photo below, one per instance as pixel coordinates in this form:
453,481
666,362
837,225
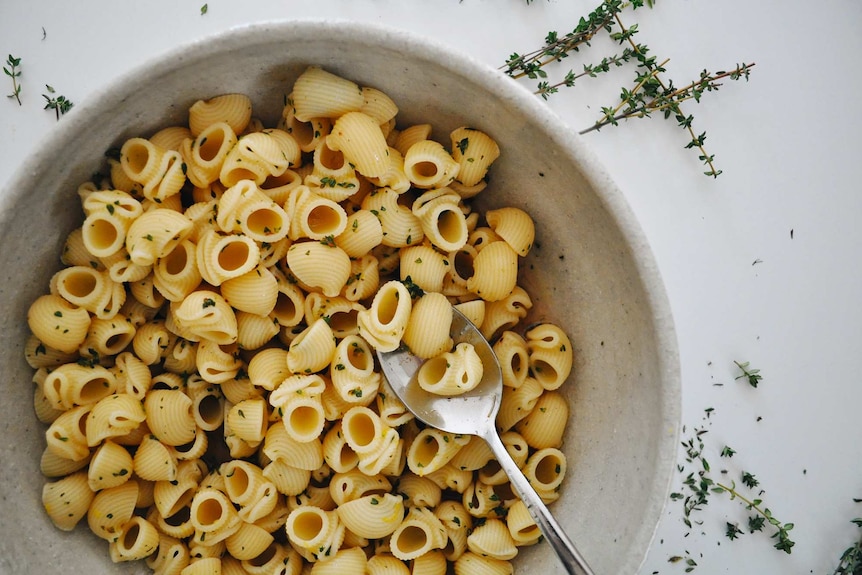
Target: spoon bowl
475,413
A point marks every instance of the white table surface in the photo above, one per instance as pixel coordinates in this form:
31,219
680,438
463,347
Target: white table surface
761,264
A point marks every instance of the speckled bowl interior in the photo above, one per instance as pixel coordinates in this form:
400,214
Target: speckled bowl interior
591,269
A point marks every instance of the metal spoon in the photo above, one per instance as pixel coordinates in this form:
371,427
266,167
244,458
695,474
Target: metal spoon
475,413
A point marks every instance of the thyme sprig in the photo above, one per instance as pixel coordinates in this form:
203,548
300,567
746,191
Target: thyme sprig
850,562
699,486
651,94
14,72
60,104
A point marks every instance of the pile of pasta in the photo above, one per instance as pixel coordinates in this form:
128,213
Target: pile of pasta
205,359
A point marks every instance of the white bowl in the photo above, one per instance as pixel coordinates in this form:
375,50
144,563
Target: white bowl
591,269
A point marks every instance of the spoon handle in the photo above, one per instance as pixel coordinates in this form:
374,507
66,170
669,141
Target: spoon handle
573,562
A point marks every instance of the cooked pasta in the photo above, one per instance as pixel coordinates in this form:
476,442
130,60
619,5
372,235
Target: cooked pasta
205,358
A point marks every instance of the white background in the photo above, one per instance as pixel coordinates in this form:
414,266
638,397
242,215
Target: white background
761,264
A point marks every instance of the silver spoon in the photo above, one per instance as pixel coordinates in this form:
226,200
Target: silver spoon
475,413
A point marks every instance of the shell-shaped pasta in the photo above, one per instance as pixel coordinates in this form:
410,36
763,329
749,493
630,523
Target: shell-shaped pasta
288,480
364,278
495,271
518,402
345,560
110,466
268,368
208,409
249,419
239,389
391,410
312,350
410,135
505,313
233,109
442,220
114,416
254,292
171,138
492,539
57,323
152,340
545,424
248,542
205,154
85,287
428,165
170,416
515,226
74,384
307,134
459,271
279,445
362,429
52,465
111,508
66,435
67,500
383,324
431,563
206,315
314,216
170,497
400,226
427,332
513,355
336,451
318,93
75,253
352,370
254,331
332,176
121,268
107,337
176,275
319,265
133,375
521,525
155,234
136,539
242,481
181,358
222,257
339,312
171,556
550,355
419,533
289,303
386,564
394,178
474,151
154,461
452,373
104,233
472,456
378,105
216,363
203,566
545,470
372,516
258,156
212,511
470,563
359,137
424,266
315,530
431,450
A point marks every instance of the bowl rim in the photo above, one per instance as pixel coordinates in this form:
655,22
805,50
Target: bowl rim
466,65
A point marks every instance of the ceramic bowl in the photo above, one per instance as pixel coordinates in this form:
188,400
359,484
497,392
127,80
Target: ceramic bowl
591,269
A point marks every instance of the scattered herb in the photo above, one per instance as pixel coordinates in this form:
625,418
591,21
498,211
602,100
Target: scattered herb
14,72
60,104
204,9
752,375
850,562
